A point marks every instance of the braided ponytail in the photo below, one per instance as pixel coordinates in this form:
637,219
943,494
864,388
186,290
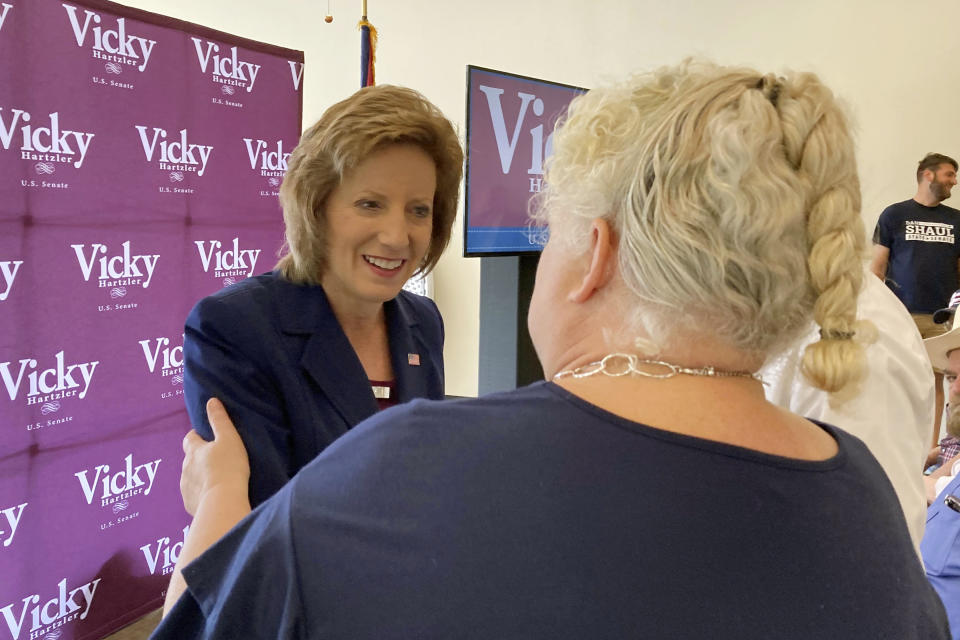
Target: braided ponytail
736,202
818,145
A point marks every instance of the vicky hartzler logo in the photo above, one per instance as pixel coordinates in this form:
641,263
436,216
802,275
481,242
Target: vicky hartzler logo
112,485
46,385
540,148
178,156
227,70
114,271
227,263
47,142
161,556
165,359
109,43
269,162
65,606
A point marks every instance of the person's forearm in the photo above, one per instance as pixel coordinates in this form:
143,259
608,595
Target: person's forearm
947,468
218,511
879,261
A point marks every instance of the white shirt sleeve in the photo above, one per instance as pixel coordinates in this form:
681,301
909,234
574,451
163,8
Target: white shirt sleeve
893,410
942,482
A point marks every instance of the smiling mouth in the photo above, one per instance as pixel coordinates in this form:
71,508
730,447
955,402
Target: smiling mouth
384,263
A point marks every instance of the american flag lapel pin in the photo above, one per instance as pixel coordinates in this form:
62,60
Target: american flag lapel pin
413,359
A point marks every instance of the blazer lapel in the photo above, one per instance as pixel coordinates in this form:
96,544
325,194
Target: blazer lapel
406,344
328,357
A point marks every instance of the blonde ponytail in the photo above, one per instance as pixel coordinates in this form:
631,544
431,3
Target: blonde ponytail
818,144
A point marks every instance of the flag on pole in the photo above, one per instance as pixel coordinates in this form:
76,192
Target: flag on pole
368,52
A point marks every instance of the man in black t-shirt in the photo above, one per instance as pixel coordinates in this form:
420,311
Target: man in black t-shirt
917,250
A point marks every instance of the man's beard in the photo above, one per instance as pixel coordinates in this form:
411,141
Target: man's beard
939,190
953,417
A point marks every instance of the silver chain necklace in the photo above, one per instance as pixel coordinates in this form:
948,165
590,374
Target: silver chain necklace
616,365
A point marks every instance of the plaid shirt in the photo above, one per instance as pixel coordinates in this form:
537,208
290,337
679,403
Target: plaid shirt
949,447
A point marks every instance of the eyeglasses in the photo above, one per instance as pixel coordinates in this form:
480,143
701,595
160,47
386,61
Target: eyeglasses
953,502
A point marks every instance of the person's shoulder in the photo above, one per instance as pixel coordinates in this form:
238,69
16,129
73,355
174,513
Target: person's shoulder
423,311
422,438
424,411
259,293
854,457
949,210
899,208
420,306
247,311
248,289
463,416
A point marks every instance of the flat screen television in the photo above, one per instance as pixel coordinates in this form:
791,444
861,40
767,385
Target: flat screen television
510,121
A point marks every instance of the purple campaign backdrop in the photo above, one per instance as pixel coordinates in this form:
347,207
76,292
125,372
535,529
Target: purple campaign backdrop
510,121
140,159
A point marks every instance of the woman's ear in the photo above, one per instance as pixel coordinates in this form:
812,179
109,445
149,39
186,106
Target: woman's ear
602,254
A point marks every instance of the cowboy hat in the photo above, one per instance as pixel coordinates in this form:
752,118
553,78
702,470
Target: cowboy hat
940,346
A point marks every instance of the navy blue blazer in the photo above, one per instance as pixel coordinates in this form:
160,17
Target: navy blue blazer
276,356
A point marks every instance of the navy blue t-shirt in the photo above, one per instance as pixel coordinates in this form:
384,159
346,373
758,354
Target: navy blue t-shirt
534,514
924,245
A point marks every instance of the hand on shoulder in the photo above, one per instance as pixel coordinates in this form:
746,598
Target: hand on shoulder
220,464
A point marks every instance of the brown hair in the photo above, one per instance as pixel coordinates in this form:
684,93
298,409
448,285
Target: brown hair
932,161
346,134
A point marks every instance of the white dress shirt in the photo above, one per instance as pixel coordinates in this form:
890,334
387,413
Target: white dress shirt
892,412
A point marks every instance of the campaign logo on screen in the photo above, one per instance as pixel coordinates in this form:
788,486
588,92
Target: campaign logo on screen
178,156
66,605
25,379
296,73
510,124
162,555
507,140
227,262
227,70
45,141
109,42
8,273
4,10
9,522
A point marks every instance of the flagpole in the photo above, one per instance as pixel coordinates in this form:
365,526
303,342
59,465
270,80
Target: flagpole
368,50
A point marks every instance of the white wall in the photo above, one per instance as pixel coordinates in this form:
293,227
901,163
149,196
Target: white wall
892,61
